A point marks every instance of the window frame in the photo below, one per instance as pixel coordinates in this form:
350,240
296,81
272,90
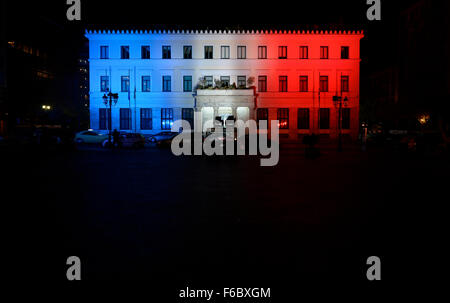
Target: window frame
303,84
106,47
124,55
283,83
345,83
144,79
324,55
166,83
323,79
124,79
123,125
324,123
303,120
166,116
303,52
145,49
283,116
239,80
104,79
146,117
207,52
241,52
262,51
282,52
166,52
184,52
345,52
185,81
261,115
103,118
262,83
225,54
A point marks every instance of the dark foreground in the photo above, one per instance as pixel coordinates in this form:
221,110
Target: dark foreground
225,222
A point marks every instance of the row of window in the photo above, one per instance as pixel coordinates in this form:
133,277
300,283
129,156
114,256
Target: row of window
146,120
225,81
303,118
224,52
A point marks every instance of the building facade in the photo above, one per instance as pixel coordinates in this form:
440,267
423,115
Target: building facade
163,76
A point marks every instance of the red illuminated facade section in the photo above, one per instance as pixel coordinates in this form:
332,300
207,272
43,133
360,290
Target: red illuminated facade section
303,74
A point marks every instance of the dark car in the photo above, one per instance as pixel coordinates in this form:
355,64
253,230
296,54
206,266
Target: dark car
133,140
162,136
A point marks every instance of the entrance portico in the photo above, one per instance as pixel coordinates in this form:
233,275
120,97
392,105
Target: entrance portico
225,104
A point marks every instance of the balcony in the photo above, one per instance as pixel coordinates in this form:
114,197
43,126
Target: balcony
225,92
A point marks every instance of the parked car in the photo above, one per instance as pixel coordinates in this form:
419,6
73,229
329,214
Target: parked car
133,140
91,137
161,136
166,141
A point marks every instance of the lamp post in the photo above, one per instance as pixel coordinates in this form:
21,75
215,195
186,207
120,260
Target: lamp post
337,100
108,99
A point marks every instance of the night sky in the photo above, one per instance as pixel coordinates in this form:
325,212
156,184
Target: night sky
46,20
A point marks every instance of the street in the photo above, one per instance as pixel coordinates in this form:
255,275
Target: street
146,214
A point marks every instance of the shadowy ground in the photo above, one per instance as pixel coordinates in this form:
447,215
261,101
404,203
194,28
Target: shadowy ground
146,214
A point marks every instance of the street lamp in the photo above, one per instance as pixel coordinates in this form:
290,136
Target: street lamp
338,102
108,99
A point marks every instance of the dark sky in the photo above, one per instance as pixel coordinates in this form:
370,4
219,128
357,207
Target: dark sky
202,13
46,20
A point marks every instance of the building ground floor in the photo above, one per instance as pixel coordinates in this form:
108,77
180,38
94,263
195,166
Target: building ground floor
293,122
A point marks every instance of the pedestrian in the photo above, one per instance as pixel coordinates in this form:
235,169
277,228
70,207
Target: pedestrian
116,138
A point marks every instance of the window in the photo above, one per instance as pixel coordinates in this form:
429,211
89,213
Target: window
324,52
104,52
146,118
345,118
187,114
225,80
345,52
145,52
187,52
209,81
104,83
125,118
145,83
324,117
124,52
262,83
241,82
241,52
187,83
303,83
166,52
104,118
303,52
283,86
166,118
283,118
225,52
262,52
323,84
344,84
262,114
208,52
125,83
167,84
282,52
303,118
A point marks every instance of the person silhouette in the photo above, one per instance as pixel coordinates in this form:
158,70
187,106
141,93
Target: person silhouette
116,138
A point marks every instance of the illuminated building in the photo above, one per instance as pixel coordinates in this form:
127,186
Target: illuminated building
295,73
